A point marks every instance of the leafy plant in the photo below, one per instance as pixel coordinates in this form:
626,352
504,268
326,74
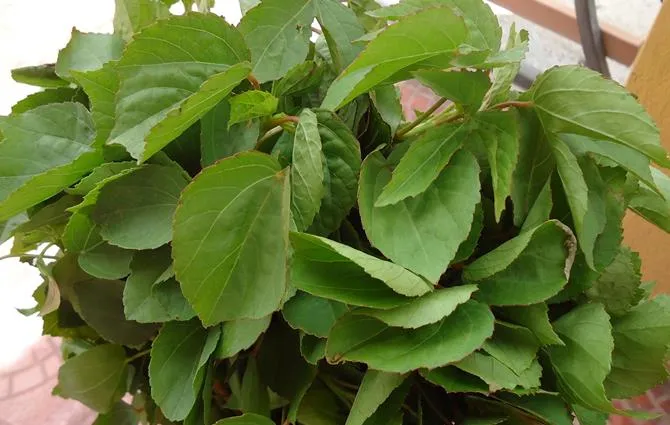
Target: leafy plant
249,233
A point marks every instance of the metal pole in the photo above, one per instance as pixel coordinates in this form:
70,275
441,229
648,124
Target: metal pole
591,36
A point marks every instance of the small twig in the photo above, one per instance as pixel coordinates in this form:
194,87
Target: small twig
267,136
49,257
254,82
421,118
138,355
512,103
316,30
282,120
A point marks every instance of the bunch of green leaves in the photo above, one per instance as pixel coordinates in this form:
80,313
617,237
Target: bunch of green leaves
249,232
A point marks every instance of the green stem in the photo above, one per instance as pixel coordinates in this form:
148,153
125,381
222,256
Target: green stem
421,118
512,103
50,257
138,355
260,144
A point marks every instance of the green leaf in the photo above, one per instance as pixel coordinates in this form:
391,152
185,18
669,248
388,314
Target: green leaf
438,220
527,269
105,261
365,339
482,25
650,205
589,417
317,249
47,96
340,28
573,99
514,346
231,239
536,318
130,16
312,348
98,175
87,52
541,209
100,86
386,100
464,88
320,270
95,377
641,341
219,141
147,299
375,389
120,414
238,335
583,363
618,287
422,164
174,78
100,303
498,133
307,171
503,77
312,315
44,151
178,355
342,155
254,396
281,365
246,419
251,104
429,34
39,75
277,33
453,379
550,408
135,210
306,75
534,166
391,410
246,5
469,246
499,376
425,310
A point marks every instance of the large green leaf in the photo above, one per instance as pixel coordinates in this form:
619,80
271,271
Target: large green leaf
219,140
641,341
365,339
498,134
96,377
453,379
277,33
148,299
238,335
465,88
312,315
395,277
100,86
425,310
527,269
618,286
340,28
135,210
438,220
254,396
87,52
44,151
173,72
120,414
39,75
497,375
483,28
342,155
425,35
574,99
422,164
583,363
536,318
100,304
386,100
307,172
178,356
47,96
251,104
375,388
130,16
319,269
231,239
651,206
514,346
105,261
